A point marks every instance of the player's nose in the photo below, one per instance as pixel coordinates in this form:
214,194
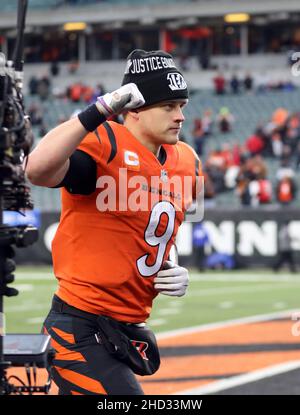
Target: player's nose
179,117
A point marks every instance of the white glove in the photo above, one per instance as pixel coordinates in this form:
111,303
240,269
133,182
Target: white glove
126,97
173,280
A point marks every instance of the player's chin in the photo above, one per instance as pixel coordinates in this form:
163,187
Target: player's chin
172,137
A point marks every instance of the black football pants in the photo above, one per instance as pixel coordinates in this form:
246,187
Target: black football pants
82,366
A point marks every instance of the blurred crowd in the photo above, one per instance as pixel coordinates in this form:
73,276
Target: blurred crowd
76,92
243,167
239,167
236,84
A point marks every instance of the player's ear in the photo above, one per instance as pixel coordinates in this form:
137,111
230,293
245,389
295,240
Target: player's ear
134,113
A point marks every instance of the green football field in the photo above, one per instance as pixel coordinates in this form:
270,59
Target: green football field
212,297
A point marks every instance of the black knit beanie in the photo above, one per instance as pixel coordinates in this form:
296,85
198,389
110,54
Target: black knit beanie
156,76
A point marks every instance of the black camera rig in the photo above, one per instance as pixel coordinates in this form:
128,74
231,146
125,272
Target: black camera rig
16,139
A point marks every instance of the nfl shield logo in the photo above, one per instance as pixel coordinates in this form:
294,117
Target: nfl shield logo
164,175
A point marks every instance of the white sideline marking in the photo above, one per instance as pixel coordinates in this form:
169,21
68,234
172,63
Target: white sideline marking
23,287
168,311
157,322
35,277
226,323
26,307
226,304
35,320
175,303
239,380
242,277
229,290
279,304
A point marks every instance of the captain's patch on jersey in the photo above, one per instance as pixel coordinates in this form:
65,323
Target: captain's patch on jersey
131,160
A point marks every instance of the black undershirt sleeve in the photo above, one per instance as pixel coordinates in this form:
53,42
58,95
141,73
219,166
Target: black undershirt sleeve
81,176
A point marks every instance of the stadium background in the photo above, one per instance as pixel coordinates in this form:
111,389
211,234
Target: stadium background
241,70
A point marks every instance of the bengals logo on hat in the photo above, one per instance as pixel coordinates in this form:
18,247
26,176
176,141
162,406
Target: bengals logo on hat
176,81
156,76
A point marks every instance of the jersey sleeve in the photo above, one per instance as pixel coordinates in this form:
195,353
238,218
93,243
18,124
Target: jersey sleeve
92,144
199,179
198,182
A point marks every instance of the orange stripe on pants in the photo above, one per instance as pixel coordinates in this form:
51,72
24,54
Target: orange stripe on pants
82,381
65,354
68,337
76,393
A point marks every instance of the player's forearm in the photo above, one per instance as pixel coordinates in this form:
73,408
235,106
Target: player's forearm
49,161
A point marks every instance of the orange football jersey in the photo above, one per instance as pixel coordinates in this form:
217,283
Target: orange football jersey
110,245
